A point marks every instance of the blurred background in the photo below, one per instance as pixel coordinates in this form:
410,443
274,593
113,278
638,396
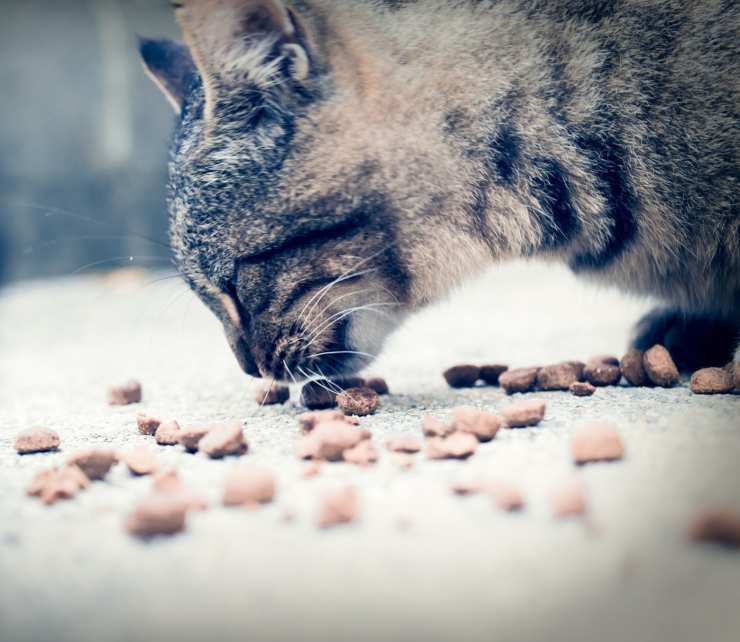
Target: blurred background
83,137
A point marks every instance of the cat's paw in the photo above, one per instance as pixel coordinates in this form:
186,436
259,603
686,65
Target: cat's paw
693,341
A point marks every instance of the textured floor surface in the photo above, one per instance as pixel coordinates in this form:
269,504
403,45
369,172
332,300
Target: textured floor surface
421,564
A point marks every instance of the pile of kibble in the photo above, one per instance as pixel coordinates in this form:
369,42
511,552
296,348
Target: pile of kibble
331,431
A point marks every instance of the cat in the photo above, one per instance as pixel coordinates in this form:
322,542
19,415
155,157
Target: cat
338,164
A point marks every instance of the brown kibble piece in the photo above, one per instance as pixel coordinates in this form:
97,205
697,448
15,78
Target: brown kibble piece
524,413
158,514
168,433
490,373
141,461
466,487
711,381
557,377
53,484
309,420
147,424
719,527
404,461
660,368
403,445
39,480
378,384
36,440
518,380
125,394
317,395
329,440
463,376
363,454
579,367
272,395
582,388
506,496
432,427
358,401
224,439
569,500
95,463
339,508
482,425
632,368
459,445
596,442
734,369
312,469
602,371
168,481
249,485
190,437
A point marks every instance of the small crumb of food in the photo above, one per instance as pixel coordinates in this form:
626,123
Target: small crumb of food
309,420
378,384
718,527
505,496
147,424
53,484
596,442
582,388
711,381
358,401
518,380
602,371
363,454
403,461
158,514
632,368
190,436
125,394
168,433
408,445
248,485
483,425
557,377
524,413
734,369
466,487
95,463
272,395
459,445
168,481
432,427
318,395
329,440
141,461
36,440
340,507
490,373
226,438
660,368
463,376
569,500
311,469
579,367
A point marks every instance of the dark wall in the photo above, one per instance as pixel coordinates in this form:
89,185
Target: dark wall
83,135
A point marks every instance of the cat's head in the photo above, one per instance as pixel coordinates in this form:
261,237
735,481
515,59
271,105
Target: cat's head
293,213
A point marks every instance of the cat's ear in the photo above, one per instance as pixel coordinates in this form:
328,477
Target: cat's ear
171,67
234,40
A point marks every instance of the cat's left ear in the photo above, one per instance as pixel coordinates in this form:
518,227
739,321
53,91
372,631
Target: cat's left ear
171,67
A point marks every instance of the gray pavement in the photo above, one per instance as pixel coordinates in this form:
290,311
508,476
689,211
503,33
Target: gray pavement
420,564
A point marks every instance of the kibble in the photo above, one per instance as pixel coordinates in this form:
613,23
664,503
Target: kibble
158,514
463,376
408,445
168,481
53,484
311,470
224,439
317,395
363,454
249,485
190,436
718,527
660,368
518,380
95,463
168,433
309,420
141,461
632,368
378,384
557,377
147,424
569,500
582,388
459,445
711,381
272,395
36,440
340,507
505,496
602,371
596,442
125,394
466,487
358,401
432,427
329,440
524,413
482,425
490,373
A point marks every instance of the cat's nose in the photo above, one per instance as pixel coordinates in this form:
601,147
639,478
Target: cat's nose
241,351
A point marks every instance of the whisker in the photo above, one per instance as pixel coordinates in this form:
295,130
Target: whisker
331,352
118,259
310,324
267,392
287,369
338,316
315,378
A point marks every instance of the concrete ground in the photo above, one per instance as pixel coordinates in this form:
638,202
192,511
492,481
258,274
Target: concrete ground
421,564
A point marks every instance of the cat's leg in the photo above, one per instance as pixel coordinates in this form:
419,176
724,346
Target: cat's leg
693,341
